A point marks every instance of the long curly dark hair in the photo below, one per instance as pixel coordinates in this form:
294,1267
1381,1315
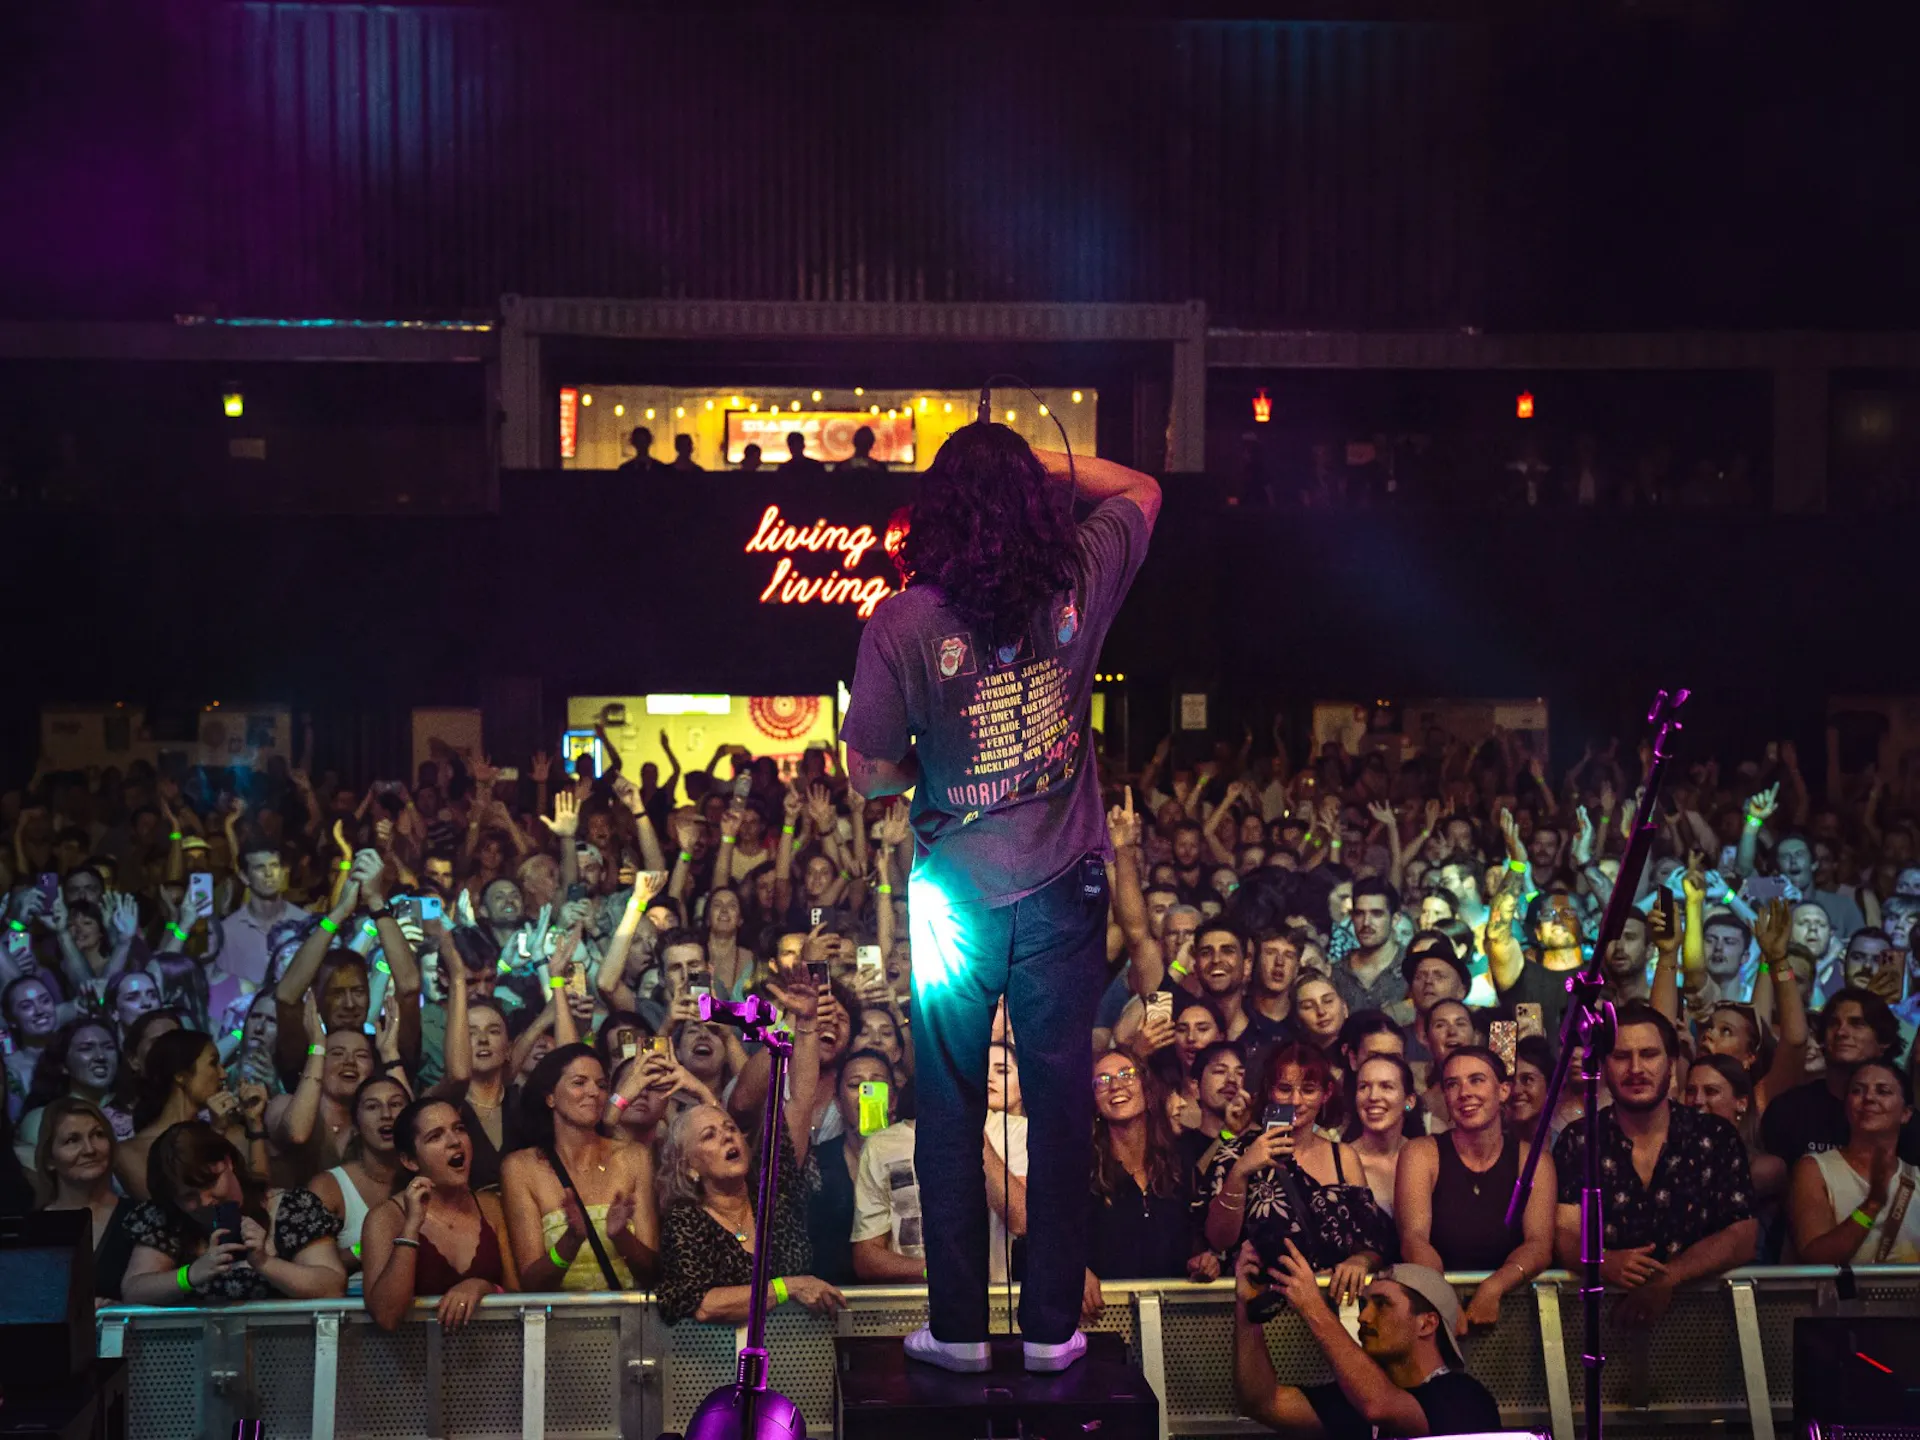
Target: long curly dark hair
991,529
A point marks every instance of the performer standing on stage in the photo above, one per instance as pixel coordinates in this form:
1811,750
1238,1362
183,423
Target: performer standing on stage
973,689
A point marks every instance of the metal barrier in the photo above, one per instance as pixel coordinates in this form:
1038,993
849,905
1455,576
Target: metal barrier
597,1366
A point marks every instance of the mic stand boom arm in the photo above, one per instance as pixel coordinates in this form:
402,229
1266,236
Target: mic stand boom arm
1590,1018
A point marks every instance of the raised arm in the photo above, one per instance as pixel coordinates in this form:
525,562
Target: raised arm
1096,480
291,1118
1505,958
1222,852
793,992
298,978
1256,1387
457,1044
566,1030
1693,941
1384,816
565,824
1661,923
672,783
1146,960
1777,994
1759,809
783,853
612,981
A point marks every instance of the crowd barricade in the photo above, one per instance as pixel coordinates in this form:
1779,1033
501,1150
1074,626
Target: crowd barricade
605,1365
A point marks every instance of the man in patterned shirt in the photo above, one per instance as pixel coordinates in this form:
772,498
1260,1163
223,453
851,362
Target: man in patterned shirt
1679,1200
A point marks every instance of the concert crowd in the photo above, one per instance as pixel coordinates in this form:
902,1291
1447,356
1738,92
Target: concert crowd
286,1036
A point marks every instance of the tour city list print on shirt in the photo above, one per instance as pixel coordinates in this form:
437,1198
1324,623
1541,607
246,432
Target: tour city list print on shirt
1022,739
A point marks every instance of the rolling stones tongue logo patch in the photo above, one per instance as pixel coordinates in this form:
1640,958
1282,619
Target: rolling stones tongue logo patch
954,655
1067,624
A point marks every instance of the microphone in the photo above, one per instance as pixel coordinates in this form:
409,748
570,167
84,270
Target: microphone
985,413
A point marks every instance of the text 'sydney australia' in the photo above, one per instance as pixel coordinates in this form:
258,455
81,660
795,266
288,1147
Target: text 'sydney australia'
1023,739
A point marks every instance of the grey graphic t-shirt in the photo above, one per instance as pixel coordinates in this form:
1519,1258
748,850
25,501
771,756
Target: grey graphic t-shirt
1007,798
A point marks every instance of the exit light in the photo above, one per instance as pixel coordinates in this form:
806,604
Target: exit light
1262,408
234,403
1523,405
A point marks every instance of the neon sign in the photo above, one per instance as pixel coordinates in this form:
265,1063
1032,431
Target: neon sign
569,421
790,585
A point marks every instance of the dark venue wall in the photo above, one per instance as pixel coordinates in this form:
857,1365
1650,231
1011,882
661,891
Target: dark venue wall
585,584
399,162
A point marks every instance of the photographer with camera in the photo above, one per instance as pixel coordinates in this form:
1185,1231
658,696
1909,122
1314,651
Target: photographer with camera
1403,1376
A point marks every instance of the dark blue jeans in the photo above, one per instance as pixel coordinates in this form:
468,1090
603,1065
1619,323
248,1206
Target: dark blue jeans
1047,955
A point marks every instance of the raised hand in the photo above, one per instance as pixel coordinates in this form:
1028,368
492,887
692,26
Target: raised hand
730,820
125,913
1123,823
340,841
1762,804
1773,928
628,794
1430,818
1383,816
365,872
565,821
1510,832
893,822
483,770
820,808
791,805
311,1022
1155,1034
1582,836
386,1038
1693,880
1660,926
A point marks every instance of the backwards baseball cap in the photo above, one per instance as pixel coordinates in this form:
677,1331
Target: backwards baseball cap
1431,1286
1432,945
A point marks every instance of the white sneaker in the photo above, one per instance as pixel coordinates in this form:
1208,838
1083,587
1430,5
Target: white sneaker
958,1356
1052,1359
